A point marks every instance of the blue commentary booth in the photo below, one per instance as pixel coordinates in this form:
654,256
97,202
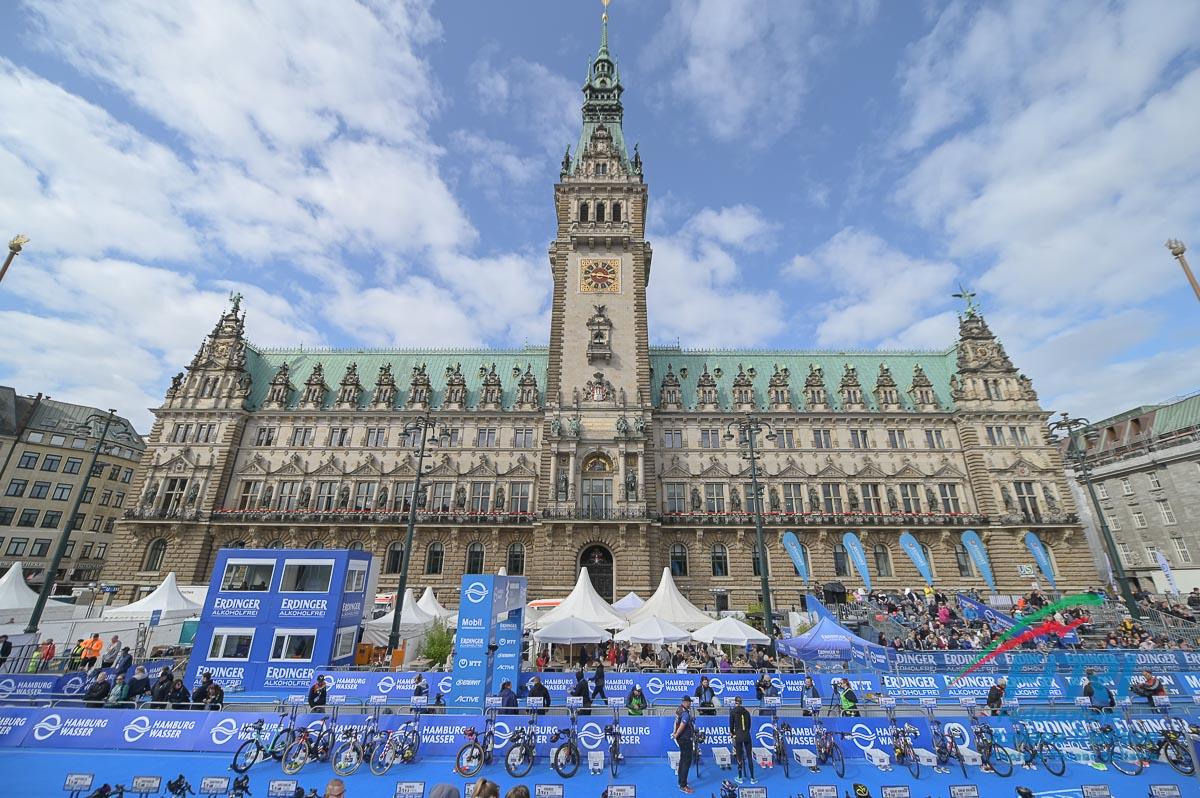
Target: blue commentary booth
273,617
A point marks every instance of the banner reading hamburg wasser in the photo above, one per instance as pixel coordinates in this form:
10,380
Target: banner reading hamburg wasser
858,558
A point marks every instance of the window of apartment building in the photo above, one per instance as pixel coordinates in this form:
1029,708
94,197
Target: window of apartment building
454,438
364,496
523,438
793,497
962,559
435,555
672,439
995,435
897,439
6,515
376,437
39,490
822,439
1153,477
1126,486
97,522
105,498
481,497
72,465
303,436
714,497
248,500
442,497
518,496
710,438
393,559
516,559
756,562
1165,511
859,439
402,496
485,437
77,522
831,497
883,560
949,493
1182,553
785,439
475,554
1114,523
910,497
679,560
109,523
1125,553
265,436
1018,435
934,439
1139,520
339,436
871,501
1152,553
17,546
1027,500
206,433
40,547
1102,490
51,462
720,560
289,493
326,496
676,497
114,472
28,460
52,519
88,494
16,487
69,550
126,475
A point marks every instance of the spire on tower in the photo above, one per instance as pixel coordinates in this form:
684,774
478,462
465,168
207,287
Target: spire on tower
602,99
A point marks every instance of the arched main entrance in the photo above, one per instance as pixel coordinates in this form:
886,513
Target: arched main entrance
598,561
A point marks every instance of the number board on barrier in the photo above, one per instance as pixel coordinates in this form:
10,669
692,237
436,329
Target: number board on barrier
1095,791
752,792
409,789
622,791
214,785
281,788
964,791
547,791
895,791
823,791
1165,791
79,782
146,784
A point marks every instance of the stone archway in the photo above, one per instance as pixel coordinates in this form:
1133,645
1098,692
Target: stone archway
598,561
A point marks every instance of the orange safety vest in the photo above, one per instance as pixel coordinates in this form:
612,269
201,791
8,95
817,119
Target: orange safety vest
92,648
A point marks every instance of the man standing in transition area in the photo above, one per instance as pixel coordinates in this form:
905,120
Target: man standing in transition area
743,748
318,694
683,733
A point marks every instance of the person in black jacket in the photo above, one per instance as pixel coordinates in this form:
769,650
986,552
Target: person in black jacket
97,691
598,681
580,690
706,697
161,692
178,695
809,690
318,694
538,690
5,650
200,694
995,696
139,685
215,698
123,662
740,727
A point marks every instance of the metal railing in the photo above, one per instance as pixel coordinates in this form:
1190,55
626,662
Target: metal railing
776,518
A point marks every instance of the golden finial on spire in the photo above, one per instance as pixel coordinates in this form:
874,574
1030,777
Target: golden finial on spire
604,16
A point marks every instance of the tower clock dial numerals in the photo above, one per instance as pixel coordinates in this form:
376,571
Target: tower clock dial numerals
600,276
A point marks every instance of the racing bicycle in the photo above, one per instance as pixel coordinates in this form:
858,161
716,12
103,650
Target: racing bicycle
565,757
697,741
612,733
782,752
945,747
1170,743
478,749
827,749
310,745
255,749
350,752
903,748
1110,747
1033,744
398,745
994,756
519,759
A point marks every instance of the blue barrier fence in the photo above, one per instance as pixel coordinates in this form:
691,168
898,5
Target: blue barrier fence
47,685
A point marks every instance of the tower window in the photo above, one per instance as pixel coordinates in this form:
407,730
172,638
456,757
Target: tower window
601,169
616,212
599,212
583,211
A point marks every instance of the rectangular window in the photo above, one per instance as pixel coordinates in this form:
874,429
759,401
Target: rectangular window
822,439
306,576
62,492
97,522
714,497
303,436
934,439
897,439
753,501
181,433
126,474
1168,515
28,517
77,522
673,439
523,438
1125,554
265,436
1139,520
376,437
339,436
1126,487
98,471
247,575
831,497
40,547
859,439
793,497
710,438
871,501
17,546
70,550
485,437
231,644
1152,554
1153,477
1102,490
402,496
293,645
51,462
910,497
206,433
1114,523
72,465
289,492
28,460
1018,435
676,497
1182,553
455,438
6,515
110,523
16,487
442,497
481,497
518,496
364,495
105,498
52,519
34,437
949,493
101,550
995,436
785,439
248,500
40,490
356,577
343,643
326,496
1027,500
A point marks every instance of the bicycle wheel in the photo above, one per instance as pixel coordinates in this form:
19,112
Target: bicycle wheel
347,757
518,761
696,760
565,760
384,757
782,754
962,762
1052,759
1126,759
1000,760
325,743
295,757
911,762
1179,757
411,744
837,760
282,740
489,746
469,760
614,757
247,756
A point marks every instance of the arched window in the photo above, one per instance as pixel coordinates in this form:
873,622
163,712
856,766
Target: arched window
841,565
316,544
929,559
599,212
393,560
720,560
807,562
756,566
235,544
155,552
583,211
355,545
883,560
475,558
679,563
516,559
434,555
275,544
616,211
962,558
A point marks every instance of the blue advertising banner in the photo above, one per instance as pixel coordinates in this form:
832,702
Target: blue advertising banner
1040,556
915,553
979,556
818,608
977,610
858,558
26,686
15,723
476,634
791,544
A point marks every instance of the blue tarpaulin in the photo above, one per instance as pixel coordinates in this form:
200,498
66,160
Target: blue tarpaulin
829,641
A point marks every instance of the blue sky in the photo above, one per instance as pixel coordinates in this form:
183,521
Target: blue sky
821,176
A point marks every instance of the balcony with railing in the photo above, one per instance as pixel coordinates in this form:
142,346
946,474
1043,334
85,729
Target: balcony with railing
778,518
373,517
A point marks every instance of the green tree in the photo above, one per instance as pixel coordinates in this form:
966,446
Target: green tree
437,644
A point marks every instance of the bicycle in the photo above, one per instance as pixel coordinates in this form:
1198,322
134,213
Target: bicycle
519,759
612,733
697,741
179,787
1109,747
945,747
253,751
240,787
995,757
1039,745
827,749
349,754
478,749
310,745
1170,743
565,757
782,753
286,734
399,745
903,748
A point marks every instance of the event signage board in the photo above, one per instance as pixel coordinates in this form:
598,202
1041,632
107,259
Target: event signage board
213,785
895,791
1165,791
1095,791
964,791
823,791
752,792
409,789
78,782
281,788
476,635
547,791
622,791
146,784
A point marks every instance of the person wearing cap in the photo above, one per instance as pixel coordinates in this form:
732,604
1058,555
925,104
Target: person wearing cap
995,696
743,749
200,694
636,701
318,694
683,734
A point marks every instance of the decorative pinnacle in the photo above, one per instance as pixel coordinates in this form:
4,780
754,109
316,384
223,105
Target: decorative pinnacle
969,297
18,241
604,27
1176,246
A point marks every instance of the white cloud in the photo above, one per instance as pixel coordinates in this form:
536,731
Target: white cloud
495,165
529,97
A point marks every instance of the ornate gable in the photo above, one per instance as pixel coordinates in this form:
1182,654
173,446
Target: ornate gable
330,468
257,464
676,469
715,468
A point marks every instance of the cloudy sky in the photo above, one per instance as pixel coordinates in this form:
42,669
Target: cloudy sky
379,173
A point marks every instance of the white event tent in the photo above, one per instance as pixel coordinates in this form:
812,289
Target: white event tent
729,631
630,602
166,597
414,622
431,606
17,600
584,603
670,605
653,630
571,630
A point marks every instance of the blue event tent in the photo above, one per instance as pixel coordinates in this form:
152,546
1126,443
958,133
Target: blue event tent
829,641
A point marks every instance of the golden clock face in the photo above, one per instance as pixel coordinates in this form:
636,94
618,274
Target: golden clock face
600,276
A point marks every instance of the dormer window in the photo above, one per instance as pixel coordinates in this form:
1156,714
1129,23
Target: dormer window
599,212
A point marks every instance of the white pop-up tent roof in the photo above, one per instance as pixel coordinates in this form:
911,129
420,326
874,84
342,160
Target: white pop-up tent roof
413,621
431,606
571,630
670,605
653,630
630,602
584,603
17,599
729,631
166,597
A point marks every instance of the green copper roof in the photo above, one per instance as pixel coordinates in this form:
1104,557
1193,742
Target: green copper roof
602,100
938,366
1180,415
264,363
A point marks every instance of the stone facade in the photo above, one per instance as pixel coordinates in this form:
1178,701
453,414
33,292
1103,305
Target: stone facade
600,450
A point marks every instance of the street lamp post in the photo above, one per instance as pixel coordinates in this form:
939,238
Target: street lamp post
1177,249
748,429
1078,455
14,249
60,550
422,425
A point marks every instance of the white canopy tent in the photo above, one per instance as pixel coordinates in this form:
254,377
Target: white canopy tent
571,630
17,599
627,604
431,606
414,622
166,597
585,604
730,632
653,630
670,605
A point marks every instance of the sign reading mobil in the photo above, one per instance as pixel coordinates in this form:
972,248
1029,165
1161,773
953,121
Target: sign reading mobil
476,633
